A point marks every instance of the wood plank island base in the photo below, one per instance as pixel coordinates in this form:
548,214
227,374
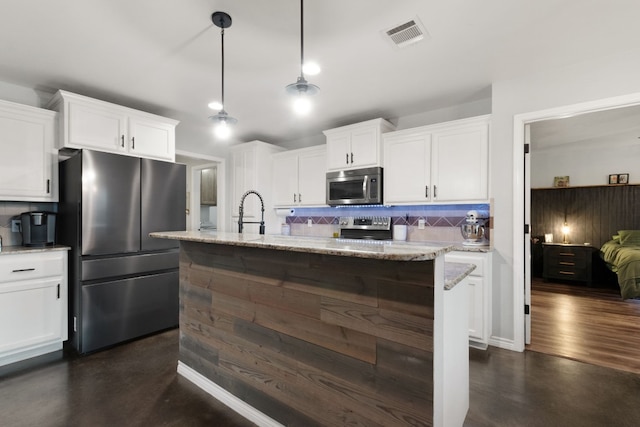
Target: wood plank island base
324,332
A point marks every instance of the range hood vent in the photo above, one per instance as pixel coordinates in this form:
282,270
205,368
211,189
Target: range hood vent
407,33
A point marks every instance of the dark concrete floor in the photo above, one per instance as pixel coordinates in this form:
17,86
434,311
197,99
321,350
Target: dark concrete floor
136,384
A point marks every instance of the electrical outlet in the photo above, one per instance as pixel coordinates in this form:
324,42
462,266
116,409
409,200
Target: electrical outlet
15,225
309,222
420,224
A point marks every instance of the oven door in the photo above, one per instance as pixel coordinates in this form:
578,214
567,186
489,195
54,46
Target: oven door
351,190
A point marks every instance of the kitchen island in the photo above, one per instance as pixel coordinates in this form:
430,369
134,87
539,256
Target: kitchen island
314,331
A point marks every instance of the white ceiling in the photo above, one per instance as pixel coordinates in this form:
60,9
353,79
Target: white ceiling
163,56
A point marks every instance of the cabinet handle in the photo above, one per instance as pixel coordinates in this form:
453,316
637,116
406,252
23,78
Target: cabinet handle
351,158
133,142
568,273
294,197
347,157
58,290
299,198
567,254
435,192
426,191
22,270
567,263
48,186
122,138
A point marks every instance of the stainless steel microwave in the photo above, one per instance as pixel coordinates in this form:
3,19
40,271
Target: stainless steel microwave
355,187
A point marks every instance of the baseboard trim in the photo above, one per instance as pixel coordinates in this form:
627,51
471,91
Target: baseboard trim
30,352
503,343
228,399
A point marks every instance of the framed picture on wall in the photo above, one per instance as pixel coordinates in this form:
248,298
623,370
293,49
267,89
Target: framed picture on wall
623,178
561,181
613,179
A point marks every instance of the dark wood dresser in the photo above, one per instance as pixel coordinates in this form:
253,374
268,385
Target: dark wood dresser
566,261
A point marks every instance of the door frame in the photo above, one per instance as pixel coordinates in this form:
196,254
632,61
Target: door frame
521,187
193,190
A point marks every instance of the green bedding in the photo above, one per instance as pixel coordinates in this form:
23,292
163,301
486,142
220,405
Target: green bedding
625,262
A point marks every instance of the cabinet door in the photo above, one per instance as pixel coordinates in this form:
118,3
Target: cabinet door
151,138
460,164
209,187
476,311
285,180
243,179
338,150
28,156
312,178
97,127
31,313
407,161
479,285
364,147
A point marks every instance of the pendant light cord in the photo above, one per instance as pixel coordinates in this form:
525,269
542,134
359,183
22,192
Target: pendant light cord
222,91
302,39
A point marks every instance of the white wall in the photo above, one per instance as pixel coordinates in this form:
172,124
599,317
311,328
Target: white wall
590,165
596,79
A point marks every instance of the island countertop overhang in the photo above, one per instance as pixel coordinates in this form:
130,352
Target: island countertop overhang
383,250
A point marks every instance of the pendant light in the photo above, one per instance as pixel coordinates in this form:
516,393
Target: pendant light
302,89
222,120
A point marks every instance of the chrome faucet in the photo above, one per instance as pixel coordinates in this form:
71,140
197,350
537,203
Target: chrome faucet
241,222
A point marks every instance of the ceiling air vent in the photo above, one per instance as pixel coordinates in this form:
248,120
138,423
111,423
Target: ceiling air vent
408,33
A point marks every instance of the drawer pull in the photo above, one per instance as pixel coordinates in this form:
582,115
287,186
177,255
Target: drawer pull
23,270
567,254
566,263
568,273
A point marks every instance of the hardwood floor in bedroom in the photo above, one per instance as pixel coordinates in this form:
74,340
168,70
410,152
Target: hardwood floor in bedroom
588,324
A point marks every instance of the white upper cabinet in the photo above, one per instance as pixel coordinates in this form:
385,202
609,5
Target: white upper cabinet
461,162
407,167
29,160
356,146
252,169
98,125
299,177
447,162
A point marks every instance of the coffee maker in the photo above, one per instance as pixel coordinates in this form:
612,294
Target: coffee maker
38,228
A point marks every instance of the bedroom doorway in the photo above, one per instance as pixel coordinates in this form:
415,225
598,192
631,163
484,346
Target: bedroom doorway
522,273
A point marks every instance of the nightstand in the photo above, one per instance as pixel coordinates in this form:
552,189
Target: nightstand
567,262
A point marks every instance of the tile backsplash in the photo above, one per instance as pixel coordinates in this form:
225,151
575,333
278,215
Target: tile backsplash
441,222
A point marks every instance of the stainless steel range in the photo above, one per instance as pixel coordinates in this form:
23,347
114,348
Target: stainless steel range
362,227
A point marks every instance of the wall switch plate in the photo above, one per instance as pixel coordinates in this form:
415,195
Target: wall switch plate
309,222
15,225
421,224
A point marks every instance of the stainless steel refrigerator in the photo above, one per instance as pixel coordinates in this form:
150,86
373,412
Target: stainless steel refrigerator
123,284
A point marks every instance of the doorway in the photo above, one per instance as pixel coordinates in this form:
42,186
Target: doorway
521,212
206,195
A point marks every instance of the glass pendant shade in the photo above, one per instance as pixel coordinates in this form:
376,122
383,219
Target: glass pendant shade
301,90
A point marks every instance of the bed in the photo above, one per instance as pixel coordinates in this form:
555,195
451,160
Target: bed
622,256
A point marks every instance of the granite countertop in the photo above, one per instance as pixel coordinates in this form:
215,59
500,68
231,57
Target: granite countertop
375,249
9,250
454,272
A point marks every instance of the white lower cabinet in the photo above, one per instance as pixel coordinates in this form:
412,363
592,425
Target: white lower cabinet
299,177
33,304
479,285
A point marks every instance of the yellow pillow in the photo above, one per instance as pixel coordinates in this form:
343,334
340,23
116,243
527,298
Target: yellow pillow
629,237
